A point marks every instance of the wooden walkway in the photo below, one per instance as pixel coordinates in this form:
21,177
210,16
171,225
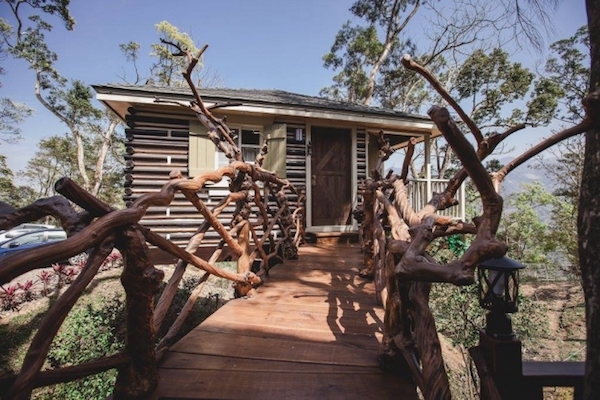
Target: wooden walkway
311,332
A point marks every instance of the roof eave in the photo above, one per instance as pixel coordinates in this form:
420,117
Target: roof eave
111,97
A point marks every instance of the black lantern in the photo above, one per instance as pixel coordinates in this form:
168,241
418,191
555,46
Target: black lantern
498,292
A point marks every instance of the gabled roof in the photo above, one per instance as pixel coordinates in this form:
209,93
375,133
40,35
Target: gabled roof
271,97
123,99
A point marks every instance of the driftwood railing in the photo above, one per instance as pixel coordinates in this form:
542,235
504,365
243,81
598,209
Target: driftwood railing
259,195
100,228
395,238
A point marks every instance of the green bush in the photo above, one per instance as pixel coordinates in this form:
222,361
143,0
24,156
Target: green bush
90,332
97,329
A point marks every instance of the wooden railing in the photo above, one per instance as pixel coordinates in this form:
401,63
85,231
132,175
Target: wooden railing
101,228
397,239
420,192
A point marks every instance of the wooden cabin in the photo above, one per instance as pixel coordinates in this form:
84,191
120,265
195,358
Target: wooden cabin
325,146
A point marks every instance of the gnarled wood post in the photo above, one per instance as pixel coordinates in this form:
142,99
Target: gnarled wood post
141,282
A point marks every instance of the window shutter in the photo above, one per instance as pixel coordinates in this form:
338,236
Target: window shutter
276,157
201,154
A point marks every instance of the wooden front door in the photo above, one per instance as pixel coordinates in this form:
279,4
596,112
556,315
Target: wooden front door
331,176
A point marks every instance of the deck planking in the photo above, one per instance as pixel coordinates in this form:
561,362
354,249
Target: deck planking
312,331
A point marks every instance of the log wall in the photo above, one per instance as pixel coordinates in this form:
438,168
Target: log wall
156,146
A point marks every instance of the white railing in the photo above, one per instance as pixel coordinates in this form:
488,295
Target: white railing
420,191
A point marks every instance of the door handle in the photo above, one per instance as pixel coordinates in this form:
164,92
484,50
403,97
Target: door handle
313,180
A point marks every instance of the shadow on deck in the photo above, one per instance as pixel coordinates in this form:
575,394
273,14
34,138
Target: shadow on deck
311,332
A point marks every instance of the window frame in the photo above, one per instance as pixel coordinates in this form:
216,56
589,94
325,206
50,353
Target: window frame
219,162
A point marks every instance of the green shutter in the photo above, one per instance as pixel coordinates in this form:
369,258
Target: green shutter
276,157
201,155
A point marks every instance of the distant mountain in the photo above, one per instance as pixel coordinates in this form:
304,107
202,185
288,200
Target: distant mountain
523,174
527,174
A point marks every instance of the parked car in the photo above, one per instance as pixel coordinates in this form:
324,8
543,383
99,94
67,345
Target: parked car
23,228
29,240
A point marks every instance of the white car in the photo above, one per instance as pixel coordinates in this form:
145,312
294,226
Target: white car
23,228
31,239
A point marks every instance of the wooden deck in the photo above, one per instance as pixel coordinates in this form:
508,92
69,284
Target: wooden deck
311,332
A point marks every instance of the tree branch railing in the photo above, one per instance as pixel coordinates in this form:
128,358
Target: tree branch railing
107,229
99,227
398,260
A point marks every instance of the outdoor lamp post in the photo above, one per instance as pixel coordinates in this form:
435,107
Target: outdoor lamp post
498,280
499,293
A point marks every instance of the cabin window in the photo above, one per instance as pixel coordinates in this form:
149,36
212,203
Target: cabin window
248,140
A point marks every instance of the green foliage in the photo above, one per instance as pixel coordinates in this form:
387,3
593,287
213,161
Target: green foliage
459,317
16,196
457,244
11,115
449,248
360,50
489,81
71,102
567,77
457,313
97,329
27,41
90,332
166,70
456,309
203,307
57,157
528,237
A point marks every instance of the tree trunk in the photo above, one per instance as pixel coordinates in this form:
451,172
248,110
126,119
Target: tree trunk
589,222
102,152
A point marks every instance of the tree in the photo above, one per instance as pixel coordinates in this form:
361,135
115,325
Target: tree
17,196
588,220
563,86
56,157
486,84
70,102
368,56
166,68
11,115
11,112
358,51
529,238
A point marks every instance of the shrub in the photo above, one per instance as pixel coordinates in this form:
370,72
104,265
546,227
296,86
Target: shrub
88,333
10,298
27,289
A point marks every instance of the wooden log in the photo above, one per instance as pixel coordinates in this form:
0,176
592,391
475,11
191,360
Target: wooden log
181,317
69,374
166,245
141,281
428,344
18,263
170,290
56,206
243,264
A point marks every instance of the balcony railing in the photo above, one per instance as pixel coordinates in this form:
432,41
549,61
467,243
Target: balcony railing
420,192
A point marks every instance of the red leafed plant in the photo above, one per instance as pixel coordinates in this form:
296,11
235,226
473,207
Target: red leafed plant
46,278
27,289
10,298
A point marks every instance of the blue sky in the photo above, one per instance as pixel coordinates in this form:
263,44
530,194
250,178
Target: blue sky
260,44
